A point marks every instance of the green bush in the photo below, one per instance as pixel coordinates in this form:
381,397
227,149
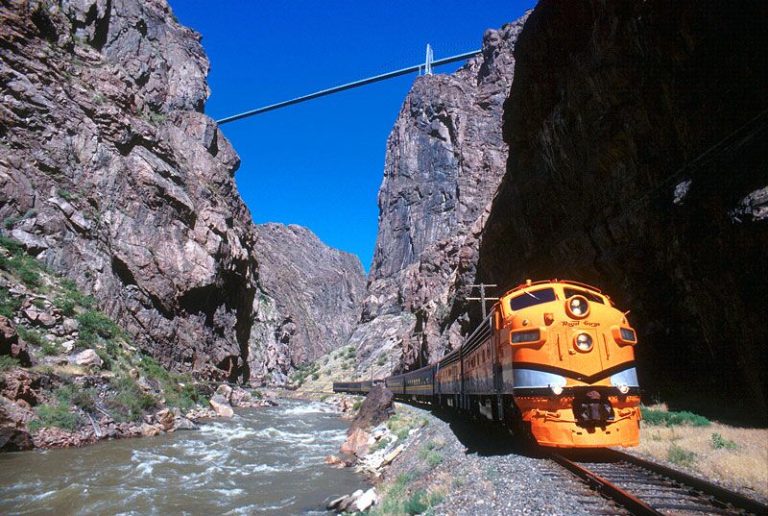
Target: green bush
357,404
681,456
179,390
65,194
130,402
7,362
719,442
671,418
71,298
94,324
9,305
57,415
381,360
73,395
430,454
50,348
30,336
66,305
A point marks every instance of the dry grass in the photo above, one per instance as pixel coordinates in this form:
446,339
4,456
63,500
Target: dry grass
734,456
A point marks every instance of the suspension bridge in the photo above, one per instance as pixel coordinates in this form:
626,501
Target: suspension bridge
425,67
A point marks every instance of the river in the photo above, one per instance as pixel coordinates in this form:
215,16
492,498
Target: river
264,461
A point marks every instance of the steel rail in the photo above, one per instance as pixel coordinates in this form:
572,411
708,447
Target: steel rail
347,86
717,492
603,486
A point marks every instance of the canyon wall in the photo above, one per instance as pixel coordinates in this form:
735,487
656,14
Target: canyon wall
637,162
445,158
111,174
307,304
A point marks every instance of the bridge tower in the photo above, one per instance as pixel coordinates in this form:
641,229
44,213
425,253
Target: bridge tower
428,60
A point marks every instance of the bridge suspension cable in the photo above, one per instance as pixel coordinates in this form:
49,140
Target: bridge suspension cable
427,67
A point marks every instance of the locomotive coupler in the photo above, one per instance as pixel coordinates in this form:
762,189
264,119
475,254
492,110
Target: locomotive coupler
592,408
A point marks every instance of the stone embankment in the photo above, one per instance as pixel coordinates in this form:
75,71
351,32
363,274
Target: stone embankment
422,462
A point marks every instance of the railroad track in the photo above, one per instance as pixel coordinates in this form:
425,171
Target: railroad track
643,487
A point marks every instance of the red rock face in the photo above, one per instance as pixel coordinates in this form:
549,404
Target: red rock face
445,158
637,162
114,177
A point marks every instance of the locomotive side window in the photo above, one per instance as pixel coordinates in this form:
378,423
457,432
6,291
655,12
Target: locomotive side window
570,292
537,297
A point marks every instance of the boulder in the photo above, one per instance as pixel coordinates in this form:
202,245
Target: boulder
166,420
13,433
19,385
11,345
87,358
182,423
225,391
356,443
376,408
221,406
367,500
38,316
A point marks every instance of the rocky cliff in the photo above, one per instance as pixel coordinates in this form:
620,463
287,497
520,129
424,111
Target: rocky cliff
110,173
445,158
637,155
307,304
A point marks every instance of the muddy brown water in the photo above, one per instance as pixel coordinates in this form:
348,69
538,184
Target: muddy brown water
263,461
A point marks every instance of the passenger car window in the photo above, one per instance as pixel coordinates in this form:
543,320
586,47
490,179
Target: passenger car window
570,292
536,297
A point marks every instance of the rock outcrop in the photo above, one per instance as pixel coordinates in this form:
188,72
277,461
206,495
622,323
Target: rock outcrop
307,304
637,162
445,158
111,174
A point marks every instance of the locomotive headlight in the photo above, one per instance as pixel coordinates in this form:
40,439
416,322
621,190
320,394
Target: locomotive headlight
583,342
623,388
557,390
577,307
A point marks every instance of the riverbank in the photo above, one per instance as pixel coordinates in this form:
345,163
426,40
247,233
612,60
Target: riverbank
70,376
452,465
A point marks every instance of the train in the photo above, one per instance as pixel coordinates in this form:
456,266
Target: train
554,361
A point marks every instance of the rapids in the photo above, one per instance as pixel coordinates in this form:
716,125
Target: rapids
264,461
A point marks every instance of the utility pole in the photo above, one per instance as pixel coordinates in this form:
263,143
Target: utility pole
483,298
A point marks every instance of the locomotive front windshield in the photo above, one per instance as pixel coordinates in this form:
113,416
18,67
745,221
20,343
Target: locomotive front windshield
536,297
591,296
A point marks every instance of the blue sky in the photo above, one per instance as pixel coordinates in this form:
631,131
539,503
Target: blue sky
320,164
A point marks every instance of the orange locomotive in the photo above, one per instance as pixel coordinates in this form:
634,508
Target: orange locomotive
554,359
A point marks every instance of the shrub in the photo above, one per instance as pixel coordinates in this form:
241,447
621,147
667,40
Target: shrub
50,348
671,418
65,194
66,305
7,362
430,454
681,456
72,298
719,442
57,415
73,395
9,305
130,402
381,360
31,336
357,404
12,245
94,324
